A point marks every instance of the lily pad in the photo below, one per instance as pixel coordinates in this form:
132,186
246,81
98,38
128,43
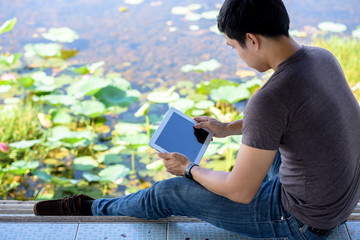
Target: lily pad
156,165
25,81
42,82
21,167
123,128
63,34
89,108
230,94
61,133
91,177
57,100
85,163
89,68
163,96
60,117
210,14
193,17
133,140
133,2
207,86
24,144
332,27
8,25
183,104
215,29
43,50
180,10
113,173
205,66
9,60
5,88
87,87
114,96
110,158
204,104
356,33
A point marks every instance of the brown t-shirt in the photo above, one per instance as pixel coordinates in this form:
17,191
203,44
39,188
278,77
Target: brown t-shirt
307,110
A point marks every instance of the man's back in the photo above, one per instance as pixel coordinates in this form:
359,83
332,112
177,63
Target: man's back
307,110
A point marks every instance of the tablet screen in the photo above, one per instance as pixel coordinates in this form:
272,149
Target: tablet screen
179,135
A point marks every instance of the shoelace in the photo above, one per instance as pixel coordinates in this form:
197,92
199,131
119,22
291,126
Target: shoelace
68,206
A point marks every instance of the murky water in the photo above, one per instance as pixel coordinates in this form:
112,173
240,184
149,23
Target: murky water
142,43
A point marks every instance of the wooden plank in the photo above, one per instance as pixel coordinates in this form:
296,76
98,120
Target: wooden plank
119,219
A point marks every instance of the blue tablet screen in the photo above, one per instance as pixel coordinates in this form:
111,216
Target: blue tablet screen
179,135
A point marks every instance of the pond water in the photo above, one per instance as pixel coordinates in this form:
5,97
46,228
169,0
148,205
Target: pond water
147,42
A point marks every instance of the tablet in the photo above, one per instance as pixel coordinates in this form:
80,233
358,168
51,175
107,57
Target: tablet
177,133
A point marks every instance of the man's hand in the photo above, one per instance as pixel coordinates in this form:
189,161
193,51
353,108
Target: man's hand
213,125
175,163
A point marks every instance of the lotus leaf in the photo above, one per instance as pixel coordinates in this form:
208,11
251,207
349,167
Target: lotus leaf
210,14
207,87
25,82
85,163
120,83
163,96
183,104
88,108
87,87
62,181
60,117
133,140
57,100
133,2
20,167
113,173
109,158
215,29
255,82
193,17
23,144
180,10
43,175
143,110
123,128
156,165
356,33
332,27
43,50
100,147
230,94
205,66
61,133
42,82
91,177
204,104
5,88
194,7
63,34
8,25
9,60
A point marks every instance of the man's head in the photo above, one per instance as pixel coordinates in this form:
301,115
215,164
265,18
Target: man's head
267,18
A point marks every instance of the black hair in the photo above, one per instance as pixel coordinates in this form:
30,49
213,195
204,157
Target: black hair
268,18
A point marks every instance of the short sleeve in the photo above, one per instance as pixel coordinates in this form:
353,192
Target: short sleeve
265,121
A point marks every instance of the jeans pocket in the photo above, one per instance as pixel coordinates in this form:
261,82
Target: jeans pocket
269,238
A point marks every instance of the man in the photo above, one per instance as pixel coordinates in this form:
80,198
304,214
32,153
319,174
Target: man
305,118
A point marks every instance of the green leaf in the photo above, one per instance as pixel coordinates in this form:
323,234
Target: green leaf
133,140
89,108
143,110
182,104
113,173
25,82
57,100
204,66
61,133
20,167
43,175
114,96
91,177
63,34
163,96
87,87
230,94
42,82
9,60
210,14
85,163
43,50
123,128
156,166
109,158
206,87
23,144
8,25
204,104
332,27
60,117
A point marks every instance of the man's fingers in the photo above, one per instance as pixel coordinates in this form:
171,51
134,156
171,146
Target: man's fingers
201,118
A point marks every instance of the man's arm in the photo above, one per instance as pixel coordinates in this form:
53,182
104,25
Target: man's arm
219,129
239,185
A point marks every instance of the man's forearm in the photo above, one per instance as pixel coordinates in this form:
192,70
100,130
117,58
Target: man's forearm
234,128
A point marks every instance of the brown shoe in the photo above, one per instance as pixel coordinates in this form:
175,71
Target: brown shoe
68,206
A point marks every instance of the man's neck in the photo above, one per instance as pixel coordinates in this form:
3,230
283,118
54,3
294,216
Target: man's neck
279,50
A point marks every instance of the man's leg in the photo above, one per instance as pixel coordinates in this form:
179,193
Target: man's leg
263,217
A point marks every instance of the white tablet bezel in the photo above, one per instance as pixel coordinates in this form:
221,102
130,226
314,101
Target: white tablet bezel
163,123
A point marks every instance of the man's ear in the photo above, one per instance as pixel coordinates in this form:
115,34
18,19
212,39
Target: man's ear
253,40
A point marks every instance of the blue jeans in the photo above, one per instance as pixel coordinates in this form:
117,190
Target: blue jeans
263,218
